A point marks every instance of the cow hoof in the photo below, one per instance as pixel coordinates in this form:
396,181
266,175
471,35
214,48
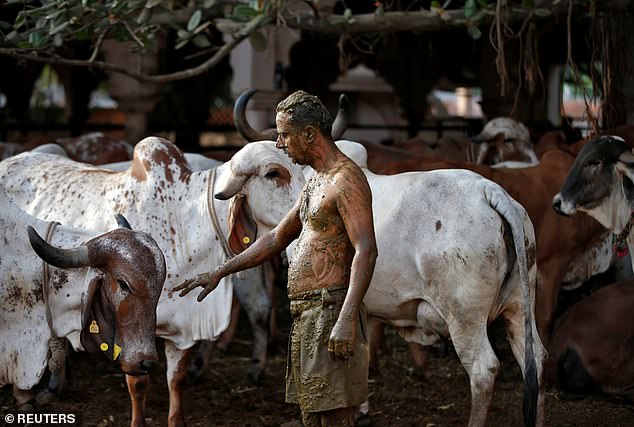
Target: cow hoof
47,396
420,373
254,374
363,420
26,408
196,370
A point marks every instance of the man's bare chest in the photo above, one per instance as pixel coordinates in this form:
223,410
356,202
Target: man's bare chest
318,207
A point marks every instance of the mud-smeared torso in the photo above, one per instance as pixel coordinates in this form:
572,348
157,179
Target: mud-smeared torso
323,254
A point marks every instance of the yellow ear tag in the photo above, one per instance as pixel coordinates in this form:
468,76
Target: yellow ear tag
103,346
246,240
93,328
116,352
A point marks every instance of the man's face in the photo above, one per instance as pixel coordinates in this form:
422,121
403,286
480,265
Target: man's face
290,140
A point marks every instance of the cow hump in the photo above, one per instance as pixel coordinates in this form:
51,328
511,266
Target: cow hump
160,157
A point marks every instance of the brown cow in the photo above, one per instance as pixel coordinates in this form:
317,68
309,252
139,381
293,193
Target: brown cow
592,345
96,148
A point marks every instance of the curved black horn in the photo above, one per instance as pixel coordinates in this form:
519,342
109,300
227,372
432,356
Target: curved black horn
58,257
122,222
240,120
340,123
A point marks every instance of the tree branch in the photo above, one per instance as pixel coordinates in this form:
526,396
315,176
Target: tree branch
256,23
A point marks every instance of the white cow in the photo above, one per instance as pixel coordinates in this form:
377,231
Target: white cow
250,296
103,300
160,194
455,252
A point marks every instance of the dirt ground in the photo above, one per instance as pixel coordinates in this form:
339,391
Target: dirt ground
97,394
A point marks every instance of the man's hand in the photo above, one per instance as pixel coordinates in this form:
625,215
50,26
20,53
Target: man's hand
208,280
342,337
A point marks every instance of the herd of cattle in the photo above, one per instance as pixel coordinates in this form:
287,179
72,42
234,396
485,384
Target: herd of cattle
461,241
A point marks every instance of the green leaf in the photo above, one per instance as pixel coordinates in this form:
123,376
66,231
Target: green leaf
151,3
35,38
180,44
12,36
469,8
58,40
182,34
244,13
483,3
347,13
194,20
258,41
209,4
474,32
61,27
541,12
201,41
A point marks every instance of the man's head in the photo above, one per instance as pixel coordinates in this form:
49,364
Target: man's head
300,119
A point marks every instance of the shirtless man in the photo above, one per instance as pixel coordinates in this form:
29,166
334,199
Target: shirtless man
329,272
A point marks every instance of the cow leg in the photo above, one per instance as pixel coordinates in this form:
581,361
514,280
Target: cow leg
24,399
419,357
478,358
376,344
226,337
176,378
549,279
514,320
271,274
252,294
138,388
57,368
200,360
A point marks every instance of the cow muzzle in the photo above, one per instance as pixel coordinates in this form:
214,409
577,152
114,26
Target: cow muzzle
562,207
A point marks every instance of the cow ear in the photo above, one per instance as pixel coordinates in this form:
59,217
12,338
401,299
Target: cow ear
242,227
232,185
97,319
627,157
625,164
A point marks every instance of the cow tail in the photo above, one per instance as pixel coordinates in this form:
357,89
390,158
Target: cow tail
504,205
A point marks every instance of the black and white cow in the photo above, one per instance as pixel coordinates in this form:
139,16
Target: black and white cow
601,184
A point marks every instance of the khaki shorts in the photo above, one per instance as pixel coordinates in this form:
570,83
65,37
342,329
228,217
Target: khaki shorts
313,379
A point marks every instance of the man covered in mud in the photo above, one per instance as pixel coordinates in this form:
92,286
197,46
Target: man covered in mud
329,271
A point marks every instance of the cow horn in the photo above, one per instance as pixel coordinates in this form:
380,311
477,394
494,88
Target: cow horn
340,123
58,257
122,222
241,123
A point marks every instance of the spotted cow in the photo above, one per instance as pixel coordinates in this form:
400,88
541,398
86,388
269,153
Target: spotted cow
160,194
100,292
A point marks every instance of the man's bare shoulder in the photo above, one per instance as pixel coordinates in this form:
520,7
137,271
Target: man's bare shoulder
349,177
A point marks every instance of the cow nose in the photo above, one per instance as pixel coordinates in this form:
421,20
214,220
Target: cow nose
557,205
149,365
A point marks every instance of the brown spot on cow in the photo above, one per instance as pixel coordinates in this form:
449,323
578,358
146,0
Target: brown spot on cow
438,225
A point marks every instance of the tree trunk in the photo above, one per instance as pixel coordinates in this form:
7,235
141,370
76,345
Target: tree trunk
618,107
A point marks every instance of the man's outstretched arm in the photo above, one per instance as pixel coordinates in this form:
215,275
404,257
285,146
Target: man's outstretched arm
262,250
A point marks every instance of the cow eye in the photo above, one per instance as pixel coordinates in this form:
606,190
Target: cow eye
274,173
594,163
509,140
124,286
